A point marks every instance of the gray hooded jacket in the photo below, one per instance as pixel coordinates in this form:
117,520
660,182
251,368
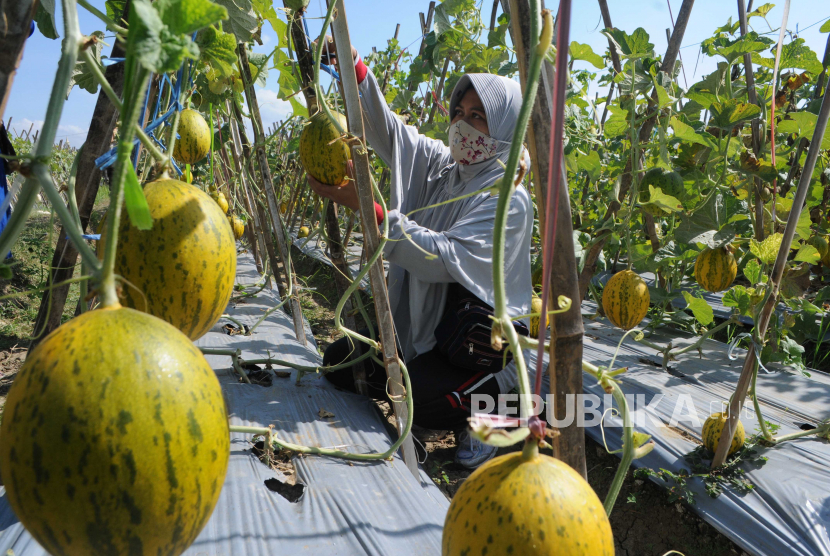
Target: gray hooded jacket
458,236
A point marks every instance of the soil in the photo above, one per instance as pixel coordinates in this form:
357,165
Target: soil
644,522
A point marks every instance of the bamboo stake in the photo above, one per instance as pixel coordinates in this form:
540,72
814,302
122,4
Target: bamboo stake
371,237
756,126
749,368
268,185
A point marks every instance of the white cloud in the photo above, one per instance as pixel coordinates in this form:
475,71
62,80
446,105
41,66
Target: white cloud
73,134
273,109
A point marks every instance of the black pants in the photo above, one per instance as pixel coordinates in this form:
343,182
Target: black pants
440,392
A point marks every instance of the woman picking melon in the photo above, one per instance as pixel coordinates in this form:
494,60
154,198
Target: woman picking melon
440,258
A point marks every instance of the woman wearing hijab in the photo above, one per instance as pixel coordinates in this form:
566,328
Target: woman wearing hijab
458,237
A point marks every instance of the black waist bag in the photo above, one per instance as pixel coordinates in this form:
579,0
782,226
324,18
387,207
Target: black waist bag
463,334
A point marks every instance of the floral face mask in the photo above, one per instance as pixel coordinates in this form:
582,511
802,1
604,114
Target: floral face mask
468,145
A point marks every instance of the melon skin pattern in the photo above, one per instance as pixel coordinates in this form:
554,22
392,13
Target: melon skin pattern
625,299
194,142
822,247
712,429
715,269
536,307
115,438
238,226
534,507
323,154
185,266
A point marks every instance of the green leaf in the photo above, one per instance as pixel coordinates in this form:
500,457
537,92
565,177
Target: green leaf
803,124
617,124
498,36
739,297
687,133
734,50
241,21
135,201
591,164
752,271
768,249
796,281
299,109
727,114
259,67
265,10
45,19
825,28
82,75
761,11
115,9
663,201
794,55
633,44
183,17
802,227
156,47
217,49
663,98
585,52
807,254
700,309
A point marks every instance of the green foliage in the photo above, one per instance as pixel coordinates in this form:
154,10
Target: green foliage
82,75
45,19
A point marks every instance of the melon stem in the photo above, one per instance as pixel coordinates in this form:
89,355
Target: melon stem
135,83
530,449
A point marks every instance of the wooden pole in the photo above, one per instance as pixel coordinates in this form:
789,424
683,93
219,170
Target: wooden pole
756,126
438,90
98,141
268,185
371,237
750,363
385,82
16,17
565,366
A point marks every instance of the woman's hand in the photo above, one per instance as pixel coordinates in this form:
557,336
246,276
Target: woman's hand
344,194
330,51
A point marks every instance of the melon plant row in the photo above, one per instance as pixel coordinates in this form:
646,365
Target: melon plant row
702,212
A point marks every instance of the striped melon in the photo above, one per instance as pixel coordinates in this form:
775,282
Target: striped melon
526,506
715,269
625,299
221,200
536,307
713,428
237,225
822,247
194,142
115,438
185,267
322,152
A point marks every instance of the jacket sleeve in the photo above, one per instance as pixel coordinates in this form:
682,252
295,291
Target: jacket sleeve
463,253
389,136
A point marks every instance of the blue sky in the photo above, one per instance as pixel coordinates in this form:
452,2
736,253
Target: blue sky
372,22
